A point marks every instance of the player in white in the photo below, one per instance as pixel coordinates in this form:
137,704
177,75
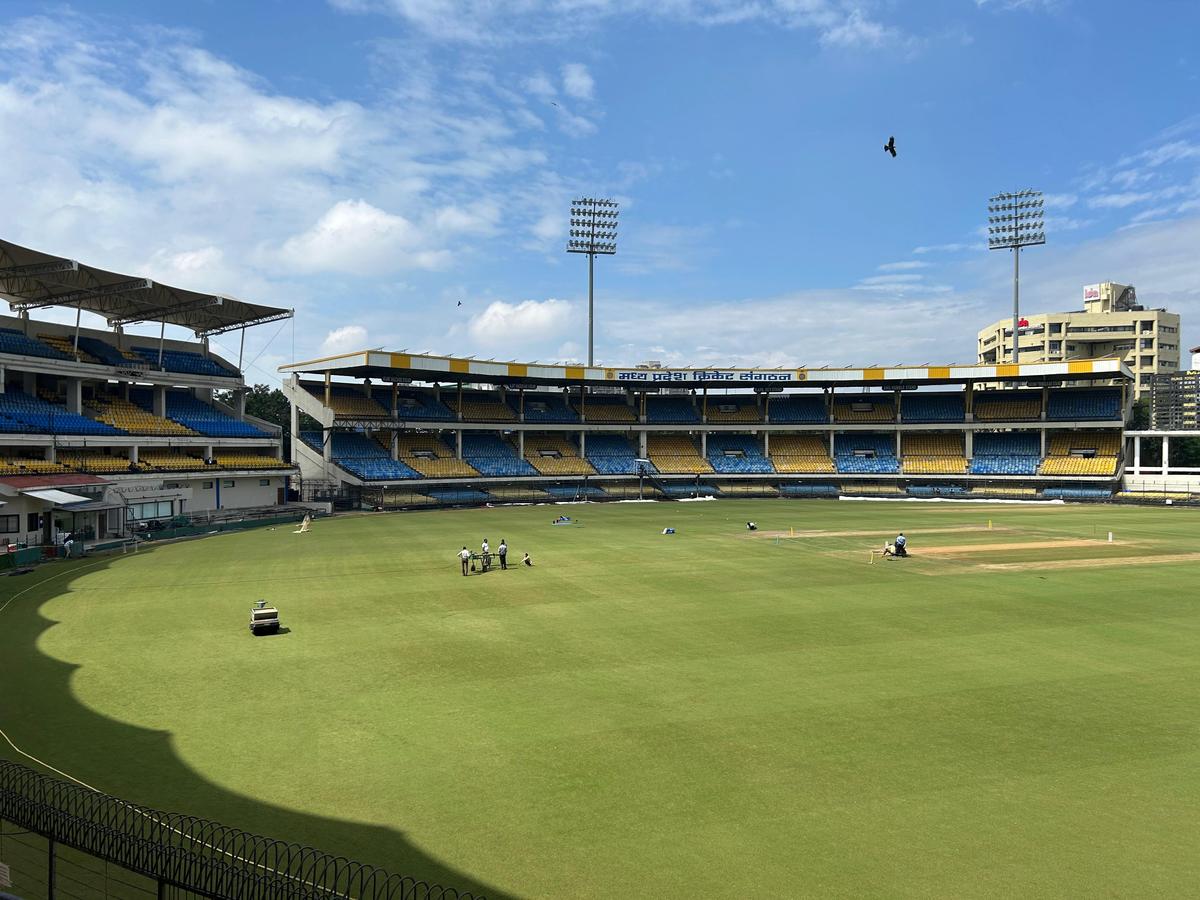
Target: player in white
465,555
487,555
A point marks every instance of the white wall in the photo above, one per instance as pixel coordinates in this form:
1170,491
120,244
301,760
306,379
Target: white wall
245,492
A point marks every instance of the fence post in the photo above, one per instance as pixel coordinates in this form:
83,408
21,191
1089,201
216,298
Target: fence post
50,869
162,890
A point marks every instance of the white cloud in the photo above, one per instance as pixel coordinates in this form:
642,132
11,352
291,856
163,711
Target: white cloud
903,266
1059,201
1119,200
540,86
346,339
948,248
357,238
527,324
577,81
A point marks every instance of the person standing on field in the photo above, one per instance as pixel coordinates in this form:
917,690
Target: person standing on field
465,556
503,551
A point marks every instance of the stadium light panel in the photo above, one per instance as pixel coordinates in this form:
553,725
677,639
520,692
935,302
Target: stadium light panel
1016,220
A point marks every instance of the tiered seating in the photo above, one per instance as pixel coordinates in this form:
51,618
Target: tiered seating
1153,496
808,490
865,454
185,361
671,410
458,495
169,461
867,408
1081,493
1080,453
110,355
129,417
1004,490
1089,403
917,407
606,409
415,406
13,341
191,412
553,455
797,409
432,458
493,456
873,490
1007,406
543,406
20,412
575,492
1009,453
737,454
675,454
611,454
66,346
689,490
933,454
361,456
800,453
347,400
96,461
747,489
227,459
739,410
21,465
521,493
481,408
936,490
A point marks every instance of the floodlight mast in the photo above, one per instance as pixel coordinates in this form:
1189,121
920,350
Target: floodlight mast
593,231
1015,221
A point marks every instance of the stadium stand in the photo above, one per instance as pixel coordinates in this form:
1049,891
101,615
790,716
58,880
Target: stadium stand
493,456
1006,453
873,490
918,407
1004,490
481,408
797,409
185,362
936,490
229,459
688,489
676,454
607,409
931,453
194,414
458,495
865,408
1080,493
21,465
96,462
800,454
1087,403
427,454
747,489
361,456
13,341
19,412
808,490
575,492
865,454
671,410
545,407
733,410
349,400
133,419
1007,406
612,454
553,455
737,454
169,461
1082,453
66,346
414,405
107,354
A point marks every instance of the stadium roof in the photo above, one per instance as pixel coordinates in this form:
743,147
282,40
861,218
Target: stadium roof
386,366
30,279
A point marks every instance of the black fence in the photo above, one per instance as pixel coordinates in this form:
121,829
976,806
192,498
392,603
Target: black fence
60,840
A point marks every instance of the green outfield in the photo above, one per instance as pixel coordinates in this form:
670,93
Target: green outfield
1012,712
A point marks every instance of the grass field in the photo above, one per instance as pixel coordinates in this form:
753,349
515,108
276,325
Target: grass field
1010,712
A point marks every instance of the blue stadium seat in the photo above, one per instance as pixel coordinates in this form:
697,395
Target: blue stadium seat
848,447
493,456
671,410
1008,453
1082,493
544,406
936,490
13,341
19,412
1090,403
918,407
611,454
688,489
800,409
191,412
413,405
105,352
458,495
808,490
361,456
574,491
737,454
186,361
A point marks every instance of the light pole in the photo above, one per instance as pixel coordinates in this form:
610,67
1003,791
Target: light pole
593,231
1015,221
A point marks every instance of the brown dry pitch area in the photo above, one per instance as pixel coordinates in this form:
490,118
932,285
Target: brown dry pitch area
820,534
1102,562
956,549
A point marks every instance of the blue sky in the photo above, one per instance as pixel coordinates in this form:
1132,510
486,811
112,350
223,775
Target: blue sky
373,162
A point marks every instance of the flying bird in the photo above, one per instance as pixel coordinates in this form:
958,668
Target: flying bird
890,147
460,303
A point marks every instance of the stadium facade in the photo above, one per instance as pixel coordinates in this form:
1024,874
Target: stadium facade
104,432
1112,323
407,429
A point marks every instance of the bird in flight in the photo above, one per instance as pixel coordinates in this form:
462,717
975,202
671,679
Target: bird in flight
890,147
460,303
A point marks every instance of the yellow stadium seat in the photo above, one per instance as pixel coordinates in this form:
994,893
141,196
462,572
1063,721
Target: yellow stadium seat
800,454
234,460
727,410
170,461
991,408
120,413
540,451
605,413
926,453
67,345
428,455
877,409
676,454
1066,454
480,408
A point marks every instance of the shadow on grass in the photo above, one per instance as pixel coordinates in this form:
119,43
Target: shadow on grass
42,715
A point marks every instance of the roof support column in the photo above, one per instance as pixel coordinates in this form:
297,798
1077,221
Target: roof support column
642,444
970,445
766,443
1166,454
458,444
328,388
970,401
704,443
74,390
3,376
1045,401
29,383
582,403
395,445
704,405
133,455
521,443
583,443
1137,455
327,445
160,401
395,400
295,423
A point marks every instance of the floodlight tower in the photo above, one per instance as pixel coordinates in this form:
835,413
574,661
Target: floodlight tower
593,231
1015,221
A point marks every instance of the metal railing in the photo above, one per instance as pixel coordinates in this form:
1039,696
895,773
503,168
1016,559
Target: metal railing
76,837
